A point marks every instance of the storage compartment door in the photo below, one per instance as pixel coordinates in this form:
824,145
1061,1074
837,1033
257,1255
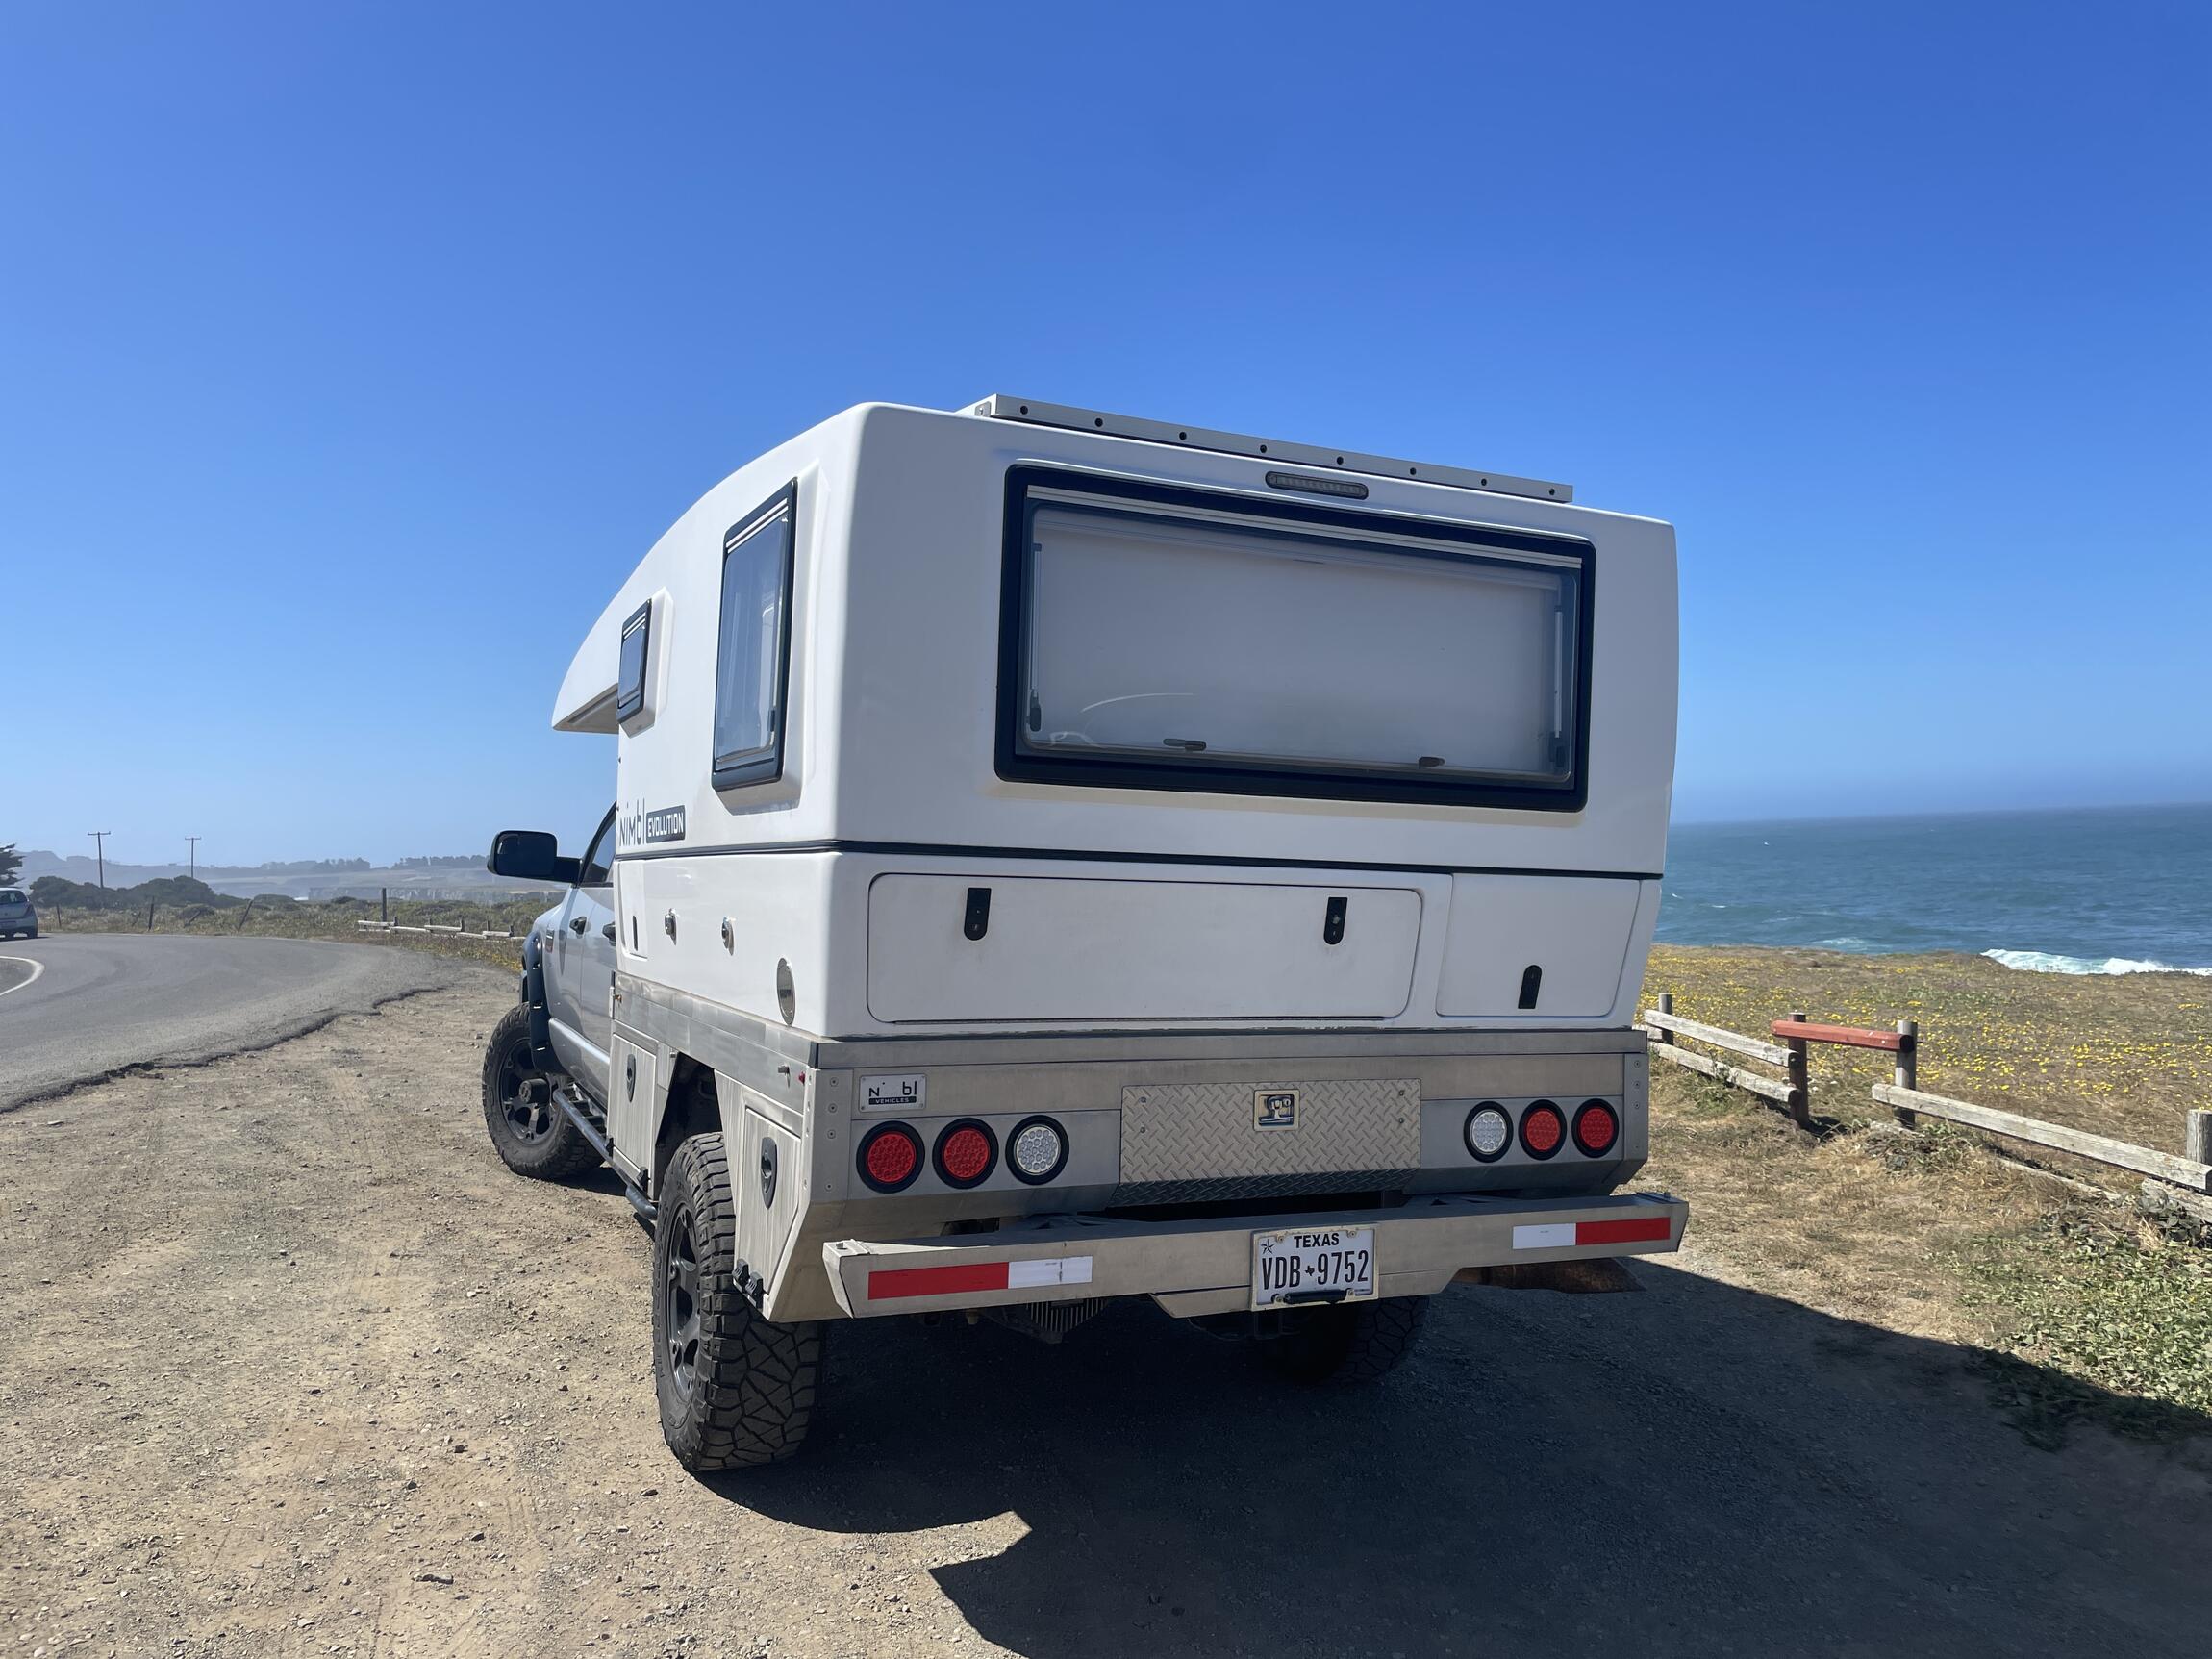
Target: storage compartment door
1574,931
992,948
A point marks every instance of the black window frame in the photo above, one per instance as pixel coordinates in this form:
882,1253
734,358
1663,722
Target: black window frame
741,768
1193,774
585,868
630,699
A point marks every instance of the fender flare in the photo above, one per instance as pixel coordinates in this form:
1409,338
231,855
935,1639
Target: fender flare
541,1053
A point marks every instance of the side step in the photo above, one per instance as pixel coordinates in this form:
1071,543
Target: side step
592,1123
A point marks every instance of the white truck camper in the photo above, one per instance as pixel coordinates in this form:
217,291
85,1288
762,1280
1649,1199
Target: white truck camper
1060,857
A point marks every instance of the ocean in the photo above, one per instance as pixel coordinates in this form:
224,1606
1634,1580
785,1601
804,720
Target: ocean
2107,889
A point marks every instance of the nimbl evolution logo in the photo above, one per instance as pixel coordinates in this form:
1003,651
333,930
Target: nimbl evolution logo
643,826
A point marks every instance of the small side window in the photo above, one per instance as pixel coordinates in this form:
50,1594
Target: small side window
630,682
752,665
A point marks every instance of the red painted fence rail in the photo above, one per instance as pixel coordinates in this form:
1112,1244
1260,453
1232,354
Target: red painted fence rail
1849,1036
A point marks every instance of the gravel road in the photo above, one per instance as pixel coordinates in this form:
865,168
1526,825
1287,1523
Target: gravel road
104,1001
294,1367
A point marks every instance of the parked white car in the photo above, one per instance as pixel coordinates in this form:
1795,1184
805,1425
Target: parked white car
1061,857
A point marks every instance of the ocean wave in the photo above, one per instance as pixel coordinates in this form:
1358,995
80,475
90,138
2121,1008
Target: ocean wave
2049,961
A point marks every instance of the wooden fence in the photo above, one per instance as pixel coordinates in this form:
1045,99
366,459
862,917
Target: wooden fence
439,927
2191,1172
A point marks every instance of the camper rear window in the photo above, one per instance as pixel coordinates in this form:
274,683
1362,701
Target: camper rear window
752,660
1161,637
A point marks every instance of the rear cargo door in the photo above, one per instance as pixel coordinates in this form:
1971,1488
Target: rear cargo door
955,949
1536,947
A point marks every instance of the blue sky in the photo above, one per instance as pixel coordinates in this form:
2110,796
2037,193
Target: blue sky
350,354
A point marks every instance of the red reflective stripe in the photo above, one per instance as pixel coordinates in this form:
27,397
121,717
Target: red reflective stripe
1629,1232
885,1283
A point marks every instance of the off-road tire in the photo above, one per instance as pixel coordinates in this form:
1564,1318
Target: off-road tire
533,1137
1352,1342
735,1390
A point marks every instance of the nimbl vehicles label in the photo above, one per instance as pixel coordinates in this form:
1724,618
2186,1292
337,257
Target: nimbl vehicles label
646,826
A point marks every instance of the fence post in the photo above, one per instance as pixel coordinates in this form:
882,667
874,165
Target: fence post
384,904
150,914
1800,1079
2196,1139
1666,1006
1907,1072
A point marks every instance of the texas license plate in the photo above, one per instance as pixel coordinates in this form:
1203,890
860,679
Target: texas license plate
1301,1264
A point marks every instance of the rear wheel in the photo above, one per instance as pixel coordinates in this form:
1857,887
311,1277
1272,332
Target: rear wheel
736,1389
533,1136
1351,1343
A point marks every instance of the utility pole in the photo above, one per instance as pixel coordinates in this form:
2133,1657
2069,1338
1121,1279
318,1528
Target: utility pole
192,856
100,851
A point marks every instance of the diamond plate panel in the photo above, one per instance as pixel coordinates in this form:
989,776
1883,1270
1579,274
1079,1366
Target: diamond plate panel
1188,1132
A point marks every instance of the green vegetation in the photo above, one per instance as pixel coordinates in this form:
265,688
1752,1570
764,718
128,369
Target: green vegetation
10,864
51,892
2114,1320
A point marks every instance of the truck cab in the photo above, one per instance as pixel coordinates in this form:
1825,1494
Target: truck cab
1060,857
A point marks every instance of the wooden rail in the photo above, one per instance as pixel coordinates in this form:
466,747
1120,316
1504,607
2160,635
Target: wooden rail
1788,1093
1773,1088
1773,1053
437,927
2099,1148
1849,1036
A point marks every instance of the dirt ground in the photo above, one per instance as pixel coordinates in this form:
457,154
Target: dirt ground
290,1364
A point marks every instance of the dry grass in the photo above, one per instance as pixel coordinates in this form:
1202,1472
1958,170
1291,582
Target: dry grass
336,921
1861,1225
2084,1310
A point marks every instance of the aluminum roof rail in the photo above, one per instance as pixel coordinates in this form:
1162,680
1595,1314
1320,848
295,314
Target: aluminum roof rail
1000,407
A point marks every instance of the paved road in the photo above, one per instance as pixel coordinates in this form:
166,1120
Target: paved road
76,1007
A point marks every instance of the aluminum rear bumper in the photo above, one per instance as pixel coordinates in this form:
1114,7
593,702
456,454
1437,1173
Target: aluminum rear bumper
1205,1266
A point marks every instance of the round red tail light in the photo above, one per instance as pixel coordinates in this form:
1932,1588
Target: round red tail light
890,1157
1542,1130
966,1152
1595,1128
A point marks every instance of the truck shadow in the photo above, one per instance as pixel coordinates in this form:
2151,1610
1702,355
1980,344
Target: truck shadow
1690,1470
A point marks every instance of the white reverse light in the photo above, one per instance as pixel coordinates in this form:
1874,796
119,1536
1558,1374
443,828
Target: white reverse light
1489,1131
1037,1150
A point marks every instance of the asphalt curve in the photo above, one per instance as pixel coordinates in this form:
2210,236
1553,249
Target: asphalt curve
77,1007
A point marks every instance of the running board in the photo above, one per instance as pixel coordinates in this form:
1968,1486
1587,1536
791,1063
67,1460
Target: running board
647,1209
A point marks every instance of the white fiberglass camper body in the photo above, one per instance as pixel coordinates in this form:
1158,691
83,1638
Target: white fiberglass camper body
1064,857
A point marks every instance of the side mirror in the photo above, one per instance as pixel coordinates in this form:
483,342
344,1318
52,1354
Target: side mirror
531,855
